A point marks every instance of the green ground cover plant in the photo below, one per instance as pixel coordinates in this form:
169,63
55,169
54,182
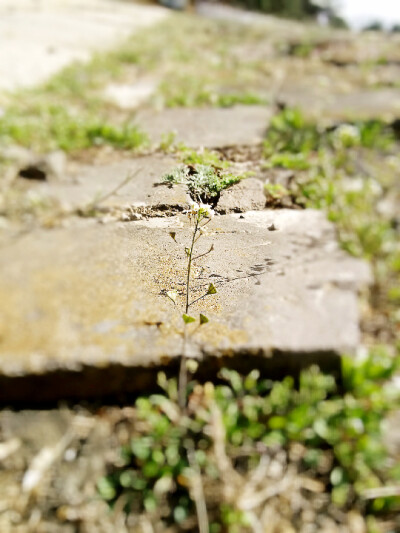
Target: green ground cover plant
49,127
328,439
202,157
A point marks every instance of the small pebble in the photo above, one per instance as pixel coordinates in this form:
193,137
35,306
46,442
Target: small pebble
70,455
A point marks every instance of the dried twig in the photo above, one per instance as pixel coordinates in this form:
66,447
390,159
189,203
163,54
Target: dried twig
95,203
381,492
198,492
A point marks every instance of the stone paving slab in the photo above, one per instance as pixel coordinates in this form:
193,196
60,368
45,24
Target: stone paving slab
208,128
247,195
84,312
327,106
86,185
39,38
144,191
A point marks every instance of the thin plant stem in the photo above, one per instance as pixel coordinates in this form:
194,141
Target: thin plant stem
182,369
197,483
202,255
198,490
183,372
189,267
198,299
106,196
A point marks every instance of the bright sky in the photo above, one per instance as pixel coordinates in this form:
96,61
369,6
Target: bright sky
360,12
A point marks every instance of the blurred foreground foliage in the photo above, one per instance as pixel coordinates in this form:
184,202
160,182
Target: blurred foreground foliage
264,449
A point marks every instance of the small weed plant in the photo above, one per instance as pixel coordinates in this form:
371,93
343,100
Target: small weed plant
203,181
199,216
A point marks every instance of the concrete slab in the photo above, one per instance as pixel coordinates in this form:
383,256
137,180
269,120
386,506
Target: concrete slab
40,37
94,184
209,128
247,195
327,106
84,311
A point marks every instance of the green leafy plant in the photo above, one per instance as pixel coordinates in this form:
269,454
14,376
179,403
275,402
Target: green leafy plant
291,133
204,182
199,216
288,160
202,157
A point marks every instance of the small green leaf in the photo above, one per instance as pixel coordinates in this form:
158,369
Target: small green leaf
203,319
172,295
192,365
187,251
106,488
188,319
212,289
337,476
180,513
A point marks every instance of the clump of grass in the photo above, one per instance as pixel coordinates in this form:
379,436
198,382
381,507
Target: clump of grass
202,157
203,182
48,127
199,92
291,133
288,160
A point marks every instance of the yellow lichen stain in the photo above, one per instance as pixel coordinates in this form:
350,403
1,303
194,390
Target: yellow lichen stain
58,310
106,306
219,335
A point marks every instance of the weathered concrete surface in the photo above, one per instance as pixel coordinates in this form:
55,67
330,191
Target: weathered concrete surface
92,298
38,38
209,128
88,185
328,106
21,161
247,195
